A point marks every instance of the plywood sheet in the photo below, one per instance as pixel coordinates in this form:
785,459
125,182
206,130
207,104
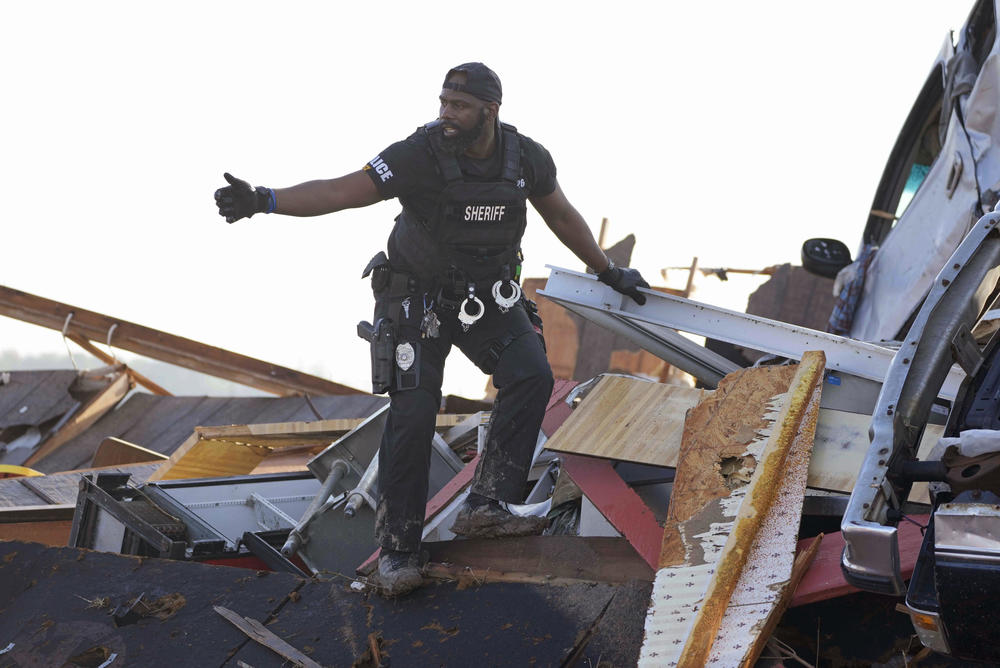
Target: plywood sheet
628,419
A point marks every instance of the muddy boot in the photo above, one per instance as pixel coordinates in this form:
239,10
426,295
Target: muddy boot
398,573
481,517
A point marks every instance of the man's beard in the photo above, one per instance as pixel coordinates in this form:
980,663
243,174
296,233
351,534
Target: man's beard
458,143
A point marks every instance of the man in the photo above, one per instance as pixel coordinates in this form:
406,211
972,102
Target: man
450,278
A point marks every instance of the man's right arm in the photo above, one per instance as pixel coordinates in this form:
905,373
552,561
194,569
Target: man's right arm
312,198
316,198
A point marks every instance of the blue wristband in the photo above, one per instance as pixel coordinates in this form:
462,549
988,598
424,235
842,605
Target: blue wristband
272,201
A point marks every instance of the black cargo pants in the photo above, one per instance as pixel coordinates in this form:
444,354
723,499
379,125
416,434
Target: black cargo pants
504,344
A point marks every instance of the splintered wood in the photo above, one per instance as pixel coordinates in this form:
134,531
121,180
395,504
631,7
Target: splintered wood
628,420
731,530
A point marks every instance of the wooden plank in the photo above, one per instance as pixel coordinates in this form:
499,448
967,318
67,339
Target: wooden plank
256,631
44,513
55,533
84,418
574,557
114,452
760,591
628,419
725,436
803,560
617,502
718,429
795,418
295,431
164,347
825,579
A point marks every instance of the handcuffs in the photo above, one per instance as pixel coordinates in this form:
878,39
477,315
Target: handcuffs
505,303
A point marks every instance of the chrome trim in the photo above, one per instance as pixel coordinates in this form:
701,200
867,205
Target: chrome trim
917,371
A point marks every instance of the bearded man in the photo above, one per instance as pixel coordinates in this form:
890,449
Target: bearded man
450,278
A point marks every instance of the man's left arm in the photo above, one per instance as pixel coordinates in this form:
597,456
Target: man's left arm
572,230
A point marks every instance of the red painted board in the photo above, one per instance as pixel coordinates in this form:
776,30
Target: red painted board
557,410
434,506
620,506
559,391
825,580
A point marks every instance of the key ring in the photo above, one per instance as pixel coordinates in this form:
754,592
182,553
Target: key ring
506,302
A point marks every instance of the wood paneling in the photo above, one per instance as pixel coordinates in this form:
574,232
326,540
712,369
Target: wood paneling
240,449
628,419
114,451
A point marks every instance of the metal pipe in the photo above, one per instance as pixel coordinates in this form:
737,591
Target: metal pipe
365,491
294,541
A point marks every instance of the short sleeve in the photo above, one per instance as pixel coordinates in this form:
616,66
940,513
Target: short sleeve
541,172
400,169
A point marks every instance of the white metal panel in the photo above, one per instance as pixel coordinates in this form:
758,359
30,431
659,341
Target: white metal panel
649,325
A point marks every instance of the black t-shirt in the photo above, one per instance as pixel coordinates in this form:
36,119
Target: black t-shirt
407,170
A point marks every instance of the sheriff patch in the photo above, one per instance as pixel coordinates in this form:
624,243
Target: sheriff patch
485,214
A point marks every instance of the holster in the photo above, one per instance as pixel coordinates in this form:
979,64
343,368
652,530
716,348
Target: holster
536,319
383,346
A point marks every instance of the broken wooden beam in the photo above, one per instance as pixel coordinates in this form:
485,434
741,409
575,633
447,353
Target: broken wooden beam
256,632
108,359
795,418
90,413
148,342
731,447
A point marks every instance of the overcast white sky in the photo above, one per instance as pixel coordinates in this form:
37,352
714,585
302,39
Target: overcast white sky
727,130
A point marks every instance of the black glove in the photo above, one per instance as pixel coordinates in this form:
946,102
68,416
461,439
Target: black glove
240,200
624,280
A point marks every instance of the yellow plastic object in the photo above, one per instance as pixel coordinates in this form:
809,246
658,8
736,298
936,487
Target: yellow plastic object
11,471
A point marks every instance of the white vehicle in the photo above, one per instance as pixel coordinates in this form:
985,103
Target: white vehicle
943,174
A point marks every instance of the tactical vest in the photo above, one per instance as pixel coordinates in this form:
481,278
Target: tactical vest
478,225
